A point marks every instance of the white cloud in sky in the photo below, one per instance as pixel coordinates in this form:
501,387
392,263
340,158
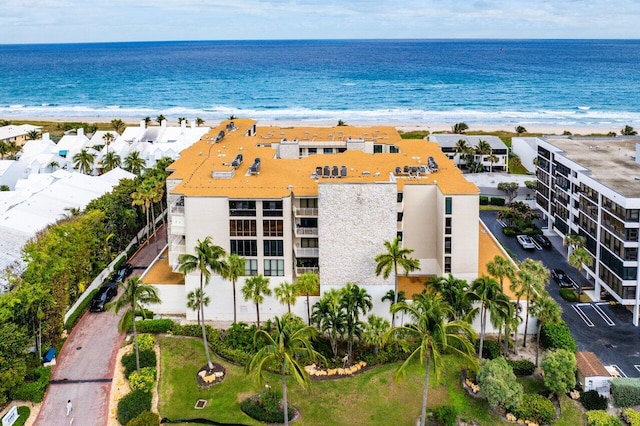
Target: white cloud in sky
33,21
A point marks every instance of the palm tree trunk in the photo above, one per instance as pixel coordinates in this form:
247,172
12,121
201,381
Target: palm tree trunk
526,325
284,397
483,322
308,310
289,307
198,315
425,391
153,216
204,330
234,300
147,214
135,340
538,344
515,330
258,314
395,292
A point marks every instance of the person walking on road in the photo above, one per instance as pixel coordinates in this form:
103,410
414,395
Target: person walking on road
69,407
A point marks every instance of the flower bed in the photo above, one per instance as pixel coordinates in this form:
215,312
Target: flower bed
315,372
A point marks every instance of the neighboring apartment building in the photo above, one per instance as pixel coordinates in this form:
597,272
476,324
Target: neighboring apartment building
293,200
499,150
591,187
16,133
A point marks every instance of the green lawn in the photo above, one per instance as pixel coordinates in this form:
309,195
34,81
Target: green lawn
369,398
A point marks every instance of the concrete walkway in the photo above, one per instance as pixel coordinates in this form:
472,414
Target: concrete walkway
85,365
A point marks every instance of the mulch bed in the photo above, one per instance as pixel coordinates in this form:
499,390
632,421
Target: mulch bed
206,372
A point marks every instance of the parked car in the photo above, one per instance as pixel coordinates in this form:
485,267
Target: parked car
122,273
103,296
542,241
562,279
525,242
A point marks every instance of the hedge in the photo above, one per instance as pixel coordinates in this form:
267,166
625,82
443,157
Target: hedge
625,391
153,326
266,407
80,310
446,415
601,418
484,200
557,336
143,381
522,367
146,342
146,418
592,400
497,201
33,390
147,359
132,405
537,408
568,294
491,349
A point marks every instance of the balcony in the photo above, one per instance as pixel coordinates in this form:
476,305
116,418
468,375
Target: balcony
177,208
305,212
306,251
177,225
176,248
303,232
304,269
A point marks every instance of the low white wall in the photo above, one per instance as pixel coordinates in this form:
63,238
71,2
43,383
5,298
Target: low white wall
174,299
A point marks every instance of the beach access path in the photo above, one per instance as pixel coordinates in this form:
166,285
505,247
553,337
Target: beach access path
86,363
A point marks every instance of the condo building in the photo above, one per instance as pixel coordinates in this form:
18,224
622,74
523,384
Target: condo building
591,187
323,200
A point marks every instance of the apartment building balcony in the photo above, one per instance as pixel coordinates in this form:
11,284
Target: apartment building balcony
177,207
177,225
304,269
177,246
306,251
305,212
303,231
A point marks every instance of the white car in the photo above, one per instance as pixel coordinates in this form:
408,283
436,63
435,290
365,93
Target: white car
525,242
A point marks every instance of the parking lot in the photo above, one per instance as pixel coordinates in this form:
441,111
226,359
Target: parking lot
600,327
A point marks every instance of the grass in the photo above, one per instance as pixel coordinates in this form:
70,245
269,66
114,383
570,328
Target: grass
414,134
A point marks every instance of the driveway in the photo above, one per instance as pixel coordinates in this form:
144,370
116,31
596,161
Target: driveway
85,365
601,328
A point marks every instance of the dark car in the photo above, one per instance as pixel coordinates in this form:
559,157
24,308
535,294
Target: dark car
103,296
122,273
542,241
561,278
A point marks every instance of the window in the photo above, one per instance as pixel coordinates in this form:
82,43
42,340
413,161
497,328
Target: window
400,197
309,242
272,228
272,248
309,203
400,215
242,228
251,267
447,245
399,235
244,247
447,264
447,205
327,150
447,226
272,208
313,151
377,149
394,149
273,268
242,208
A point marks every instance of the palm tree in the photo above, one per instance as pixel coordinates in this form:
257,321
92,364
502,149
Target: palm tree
460,148
501,268
54,164
83,161
108,138
520,130
390,296
136,294
160,118
207,259
194,299
546,310
234,268
147,121
435,335
32,135
354,301
483,148
487,291
199,121
628,131
492,159
454,292
285,348
374,330
142,198
134,163
111,161
118,125
459,128
308,283
330,318
532,277
287,294
254,289
578,255
394,256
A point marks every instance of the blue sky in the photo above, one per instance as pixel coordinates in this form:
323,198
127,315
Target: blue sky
53,21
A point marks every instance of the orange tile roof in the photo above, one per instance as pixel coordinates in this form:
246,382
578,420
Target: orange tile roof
161,273
487,250
276,176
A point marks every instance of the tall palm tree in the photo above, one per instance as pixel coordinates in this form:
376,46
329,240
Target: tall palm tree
487,291
160,118
111,161
234,268
285,348
207,259
460,149
532,277
108,138
147,121
308,283
578,255
373,332
330,318
390,296
287,294
83,161
136,294
118,125
141,198
483,148
134,163
454,292
459,128
546,310
194,299
501,268
254,289
354,301
492,159
389,261
435,335
199,121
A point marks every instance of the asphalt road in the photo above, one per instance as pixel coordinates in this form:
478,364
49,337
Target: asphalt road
601,328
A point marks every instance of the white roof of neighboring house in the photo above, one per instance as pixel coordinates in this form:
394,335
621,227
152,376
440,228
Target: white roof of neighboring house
72,142
98,137
4,165
36,147
12,131
450,140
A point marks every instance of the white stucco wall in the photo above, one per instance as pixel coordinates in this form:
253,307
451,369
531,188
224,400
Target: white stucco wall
464,233
527,150
174,300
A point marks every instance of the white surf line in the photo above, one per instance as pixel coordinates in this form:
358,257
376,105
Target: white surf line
603,315
582,315
619,370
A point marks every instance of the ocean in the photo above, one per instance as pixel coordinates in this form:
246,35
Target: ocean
515,82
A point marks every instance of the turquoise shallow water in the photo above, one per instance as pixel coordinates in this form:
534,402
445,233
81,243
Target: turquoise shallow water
555,82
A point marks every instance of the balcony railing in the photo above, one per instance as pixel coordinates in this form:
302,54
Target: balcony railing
305,211
304,269
306,251
300,231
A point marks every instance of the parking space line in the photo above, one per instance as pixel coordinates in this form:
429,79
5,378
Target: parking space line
582,315
619,370
637,367
603,315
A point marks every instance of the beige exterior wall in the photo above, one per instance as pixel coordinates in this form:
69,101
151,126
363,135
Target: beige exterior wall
422,230
465,241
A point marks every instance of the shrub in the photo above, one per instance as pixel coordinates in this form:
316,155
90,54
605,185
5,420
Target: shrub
491,349
559,370
389,353
147,359
509,231
80,310
557,336
190,330
132,405
630,417
33,390
591,400
568,294
601,418
146,418
522,367
497,201
625,391
484,200
157,326
266,407
498,384
240,336
143,381
446,414
146,342
536,408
